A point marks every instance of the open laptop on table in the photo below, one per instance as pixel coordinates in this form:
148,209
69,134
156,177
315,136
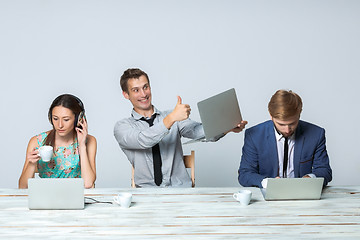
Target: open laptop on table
219,114
56,193
293,189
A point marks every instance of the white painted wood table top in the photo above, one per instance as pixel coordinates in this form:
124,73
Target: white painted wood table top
191,213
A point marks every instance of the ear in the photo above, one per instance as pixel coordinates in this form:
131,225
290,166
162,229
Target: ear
126,95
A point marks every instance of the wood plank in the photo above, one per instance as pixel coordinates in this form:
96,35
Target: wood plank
197,213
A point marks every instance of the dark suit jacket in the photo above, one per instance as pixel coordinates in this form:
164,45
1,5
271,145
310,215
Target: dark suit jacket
259,158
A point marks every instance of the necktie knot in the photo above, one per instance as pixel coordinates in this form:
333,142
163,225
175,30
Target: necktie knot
150,121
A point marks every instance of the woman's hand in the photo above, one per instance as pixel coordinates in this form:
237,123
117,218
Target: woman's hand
82,133
87,153
33,156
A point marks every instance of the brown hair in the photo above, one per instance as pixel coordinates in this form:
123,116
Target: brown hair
129,74
68,101
285,104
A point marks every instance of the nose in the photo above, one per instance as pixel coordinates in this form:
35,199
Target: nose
61,124
288,129
142,93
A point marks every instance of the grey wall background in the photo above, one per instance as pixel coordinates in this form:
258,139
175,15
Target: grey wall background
194,49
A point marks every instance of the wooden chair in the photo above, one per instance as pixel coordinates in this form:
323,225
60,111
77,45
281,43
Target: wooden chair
132,177
189,162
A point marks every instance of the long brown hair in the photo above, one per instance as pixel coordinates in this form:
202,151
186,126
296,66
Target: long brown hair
68,101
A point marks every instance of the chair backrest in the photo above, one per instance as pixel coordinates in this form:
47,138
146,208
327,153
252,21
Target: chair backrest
189,162
132,177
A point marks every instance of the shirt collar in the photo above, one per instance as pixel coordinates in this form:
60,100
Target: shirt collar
279,136
138,116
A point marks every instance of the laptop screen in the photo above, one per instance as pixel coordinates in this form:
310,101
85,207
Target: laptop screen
56,193
220,113
293,188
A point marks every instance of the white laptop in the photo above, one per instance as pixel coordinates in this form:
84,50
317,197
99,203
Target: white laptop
293,189
219,114
56,193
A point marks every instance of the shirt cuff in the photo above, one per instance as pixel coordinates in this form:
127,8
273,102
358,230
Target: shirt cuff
264,182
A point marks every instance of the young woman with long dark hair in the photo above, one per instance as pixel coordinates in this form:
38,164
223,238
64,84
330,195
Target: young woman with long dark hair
74,150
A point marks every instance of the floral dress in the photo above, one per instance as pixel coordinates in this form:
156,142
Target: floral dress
65,162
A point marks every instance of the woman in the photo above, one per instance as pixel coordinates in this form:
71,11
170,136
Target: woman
74,150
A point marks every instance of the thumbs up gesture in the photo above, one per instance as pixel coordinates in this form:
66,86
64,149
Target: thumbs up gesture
179,100
181,111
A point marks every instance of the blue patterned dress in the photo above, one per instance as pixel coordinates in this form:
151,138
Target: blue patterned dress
65,162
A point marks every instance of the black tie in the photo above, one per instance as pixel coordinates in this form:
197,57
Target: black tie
286,156
156,155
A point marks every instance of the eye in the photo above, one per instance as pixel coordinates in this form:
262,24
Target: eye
146,87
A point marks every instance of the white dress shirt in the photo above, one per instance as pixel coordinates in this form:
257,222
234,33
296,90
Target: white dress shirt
136,138
280,141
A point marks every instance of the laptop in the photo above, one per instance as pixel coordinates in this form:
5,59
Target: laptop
56,193
293,189
219,114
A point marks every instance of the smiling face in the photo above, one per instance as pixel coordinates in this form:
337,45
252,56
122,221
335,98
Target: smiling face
139,94
63,121
286,127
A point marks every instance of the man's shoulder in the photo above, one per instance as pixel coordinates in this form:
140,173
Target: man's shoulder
130,120
259,131
125,120
165,112
261,126
307,126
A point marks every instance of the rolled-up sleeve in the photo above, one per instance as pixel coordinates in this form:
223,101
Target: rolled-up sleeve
130,136
194,130
191,129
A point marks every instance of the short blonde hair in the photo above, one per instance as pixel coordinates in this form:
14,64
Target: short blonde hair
285,104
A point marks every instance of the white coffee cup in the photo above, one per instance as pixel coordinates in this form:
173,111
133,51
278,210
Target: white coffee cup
46,153
123,199
243,196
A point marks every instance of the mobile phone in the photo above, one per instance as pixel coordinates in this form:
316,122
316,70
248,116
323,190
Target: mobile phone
80,119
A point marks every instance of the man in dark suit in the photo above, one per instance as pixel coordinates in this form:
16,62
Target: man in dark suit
284,146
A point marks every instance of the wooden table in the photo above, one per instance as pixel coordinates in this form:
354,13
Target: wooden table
193,213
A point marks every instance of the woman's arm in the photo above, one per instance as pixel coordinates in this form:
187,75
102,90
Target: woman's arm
31,159
87,152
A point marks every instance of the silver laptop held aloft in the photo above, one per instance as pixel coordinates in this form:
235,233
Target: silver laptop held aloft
293,189
56,193
219,114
